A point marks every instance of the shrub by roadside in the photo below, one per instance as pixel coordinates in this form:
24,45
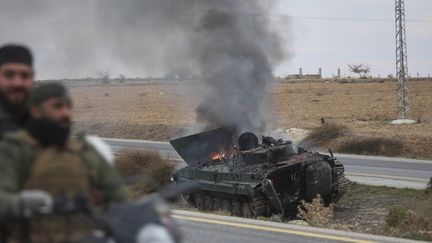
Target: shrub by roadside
369,209
144,171
371,146
315,212
402,222
323,135
341,140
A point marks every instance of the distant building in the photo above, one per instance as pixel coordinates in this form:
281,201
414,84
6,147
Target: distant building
300,75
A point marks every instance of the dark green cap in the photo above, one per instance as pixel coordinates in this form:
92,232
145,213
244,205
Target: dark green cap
45,91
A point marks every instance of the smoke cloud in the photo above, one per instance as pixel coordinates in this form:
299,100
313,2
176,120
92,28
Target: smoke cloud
234,50
228,44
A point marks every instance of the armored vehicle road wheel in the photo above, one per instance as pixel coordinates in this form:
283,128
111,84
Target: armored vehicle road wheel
226,206
188,198
343,183
236,209
272,175
208,203
198,200
343,186
216,204
247,210
259,204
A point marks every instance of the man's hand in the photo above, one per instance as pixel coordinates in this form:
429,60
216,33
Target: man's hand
30,202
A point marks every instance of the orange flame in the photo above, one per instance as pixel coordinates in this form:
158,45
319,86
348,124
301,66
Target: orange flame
221,154
218,156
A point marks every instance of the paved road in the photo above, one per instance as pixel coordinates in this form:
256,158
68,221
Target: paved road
396,172
372,170
209,228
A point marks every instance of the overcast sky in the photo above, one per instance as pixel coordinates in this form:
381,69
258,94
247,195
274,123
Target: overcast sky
335,43
321,33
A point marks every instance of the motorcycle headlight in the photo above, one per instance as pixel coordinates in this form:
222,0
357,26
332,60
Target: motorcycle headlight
153,233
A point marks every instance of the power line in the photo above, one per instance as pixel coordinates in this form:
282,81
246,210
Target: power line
49,24
66,23
340,18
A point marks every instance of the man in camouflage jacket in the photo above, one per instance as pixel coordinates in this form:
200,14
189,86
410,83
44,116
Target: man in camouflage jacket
41,163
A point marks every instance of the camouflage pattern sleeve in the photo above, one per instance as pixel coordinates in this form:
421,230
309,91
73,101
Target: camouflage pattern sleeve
11,156
109,179
106,177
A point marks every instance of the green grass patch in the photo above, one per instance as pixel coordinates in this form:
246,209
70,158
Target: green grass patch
356,188
405,213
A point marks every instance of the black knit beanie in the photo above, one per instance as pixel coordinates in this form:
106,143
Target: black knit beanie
15,54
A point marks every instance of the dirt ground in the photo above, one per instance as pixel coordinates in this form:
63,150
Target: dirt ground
161,111
366,208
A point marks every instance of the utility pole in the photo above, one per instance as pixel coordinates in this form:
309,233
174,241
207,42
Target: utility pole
401,62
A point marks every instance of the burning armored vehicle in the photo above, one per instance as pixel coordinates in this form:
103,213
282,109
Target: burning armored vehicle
252,179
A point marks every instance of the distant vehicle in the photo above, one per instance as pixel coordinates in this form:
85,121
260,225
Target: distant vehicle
251,179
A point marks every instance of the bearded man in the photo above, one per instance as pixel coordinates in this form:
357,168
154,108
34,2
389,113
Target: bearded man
16,80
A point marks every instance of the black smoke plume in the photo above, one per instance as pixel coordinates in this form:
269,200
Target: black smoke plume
228,44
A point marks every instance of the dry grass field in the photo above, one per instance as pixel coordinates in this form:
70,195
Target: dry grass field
360,111
159,111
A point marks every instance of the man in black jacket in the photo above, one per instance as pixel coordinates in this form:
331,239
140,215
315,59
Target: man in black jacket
16,80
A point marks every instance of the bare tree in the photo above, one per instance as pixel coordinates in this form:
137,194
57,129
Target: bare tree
104,76
121,78
361,69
